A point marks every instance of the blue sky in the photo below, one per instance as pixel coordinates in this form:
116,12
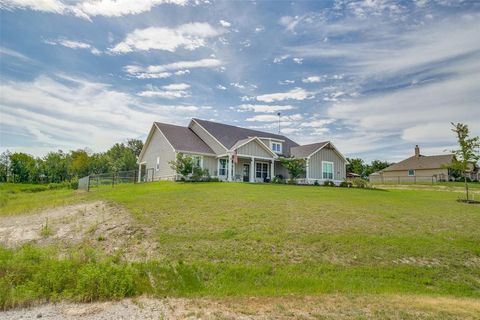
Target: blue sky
375,77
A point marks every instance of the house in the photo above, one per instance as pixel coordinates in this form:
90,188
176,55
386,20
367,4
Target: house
234,154
417,168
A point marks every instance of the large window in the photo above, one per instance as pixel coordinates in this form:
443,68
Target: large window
411,172
261,171
222,168
277,147
327,170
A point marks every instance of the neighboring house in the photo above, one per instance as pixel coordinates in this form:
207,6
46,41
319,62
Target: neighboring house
417,168
234,154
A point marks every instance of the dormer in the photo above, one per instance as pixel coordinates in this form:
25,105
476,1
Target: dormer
276,145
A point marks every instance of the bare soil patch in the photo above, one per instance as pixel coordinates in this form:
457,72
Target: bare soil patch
317,307
106,226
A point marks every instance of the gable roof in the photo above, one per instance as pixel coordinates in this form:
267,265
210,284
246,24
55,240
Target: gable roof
422,162
183,139
307,149
229,135
243,142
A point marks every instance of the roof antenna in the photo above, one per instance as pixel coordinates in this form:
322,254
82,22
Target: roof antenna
278,114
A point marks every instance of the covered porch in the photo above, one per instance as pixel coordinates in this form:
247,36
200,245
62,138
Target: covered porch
245,168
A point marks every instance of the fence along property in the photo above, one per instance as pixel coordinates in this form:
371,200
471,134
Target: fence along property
107,179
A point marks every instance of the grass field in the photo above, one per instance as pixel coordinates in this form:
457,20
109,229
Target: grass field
231,239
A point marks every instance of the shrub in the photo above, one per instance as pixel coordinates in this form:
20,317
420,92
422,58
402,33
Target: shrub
278,180
34,189
328,183
316,183
215,179
346,184
360,183
200,174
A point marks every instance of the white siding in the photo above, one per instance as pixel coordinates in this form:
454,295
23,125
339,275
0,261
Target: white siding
253,148
159,147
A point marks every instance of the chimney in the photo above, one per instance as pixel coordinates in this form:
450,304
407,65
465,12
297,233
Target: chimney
417,151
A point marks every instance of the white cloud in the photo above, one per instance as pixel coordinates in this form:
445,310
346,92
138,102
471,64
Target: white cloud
220,87
188,36
164,70
176,86
263,108
65,112
286,82
312,79
280,58
274,118
14,54
89,8
294,94
237,85
72,44
290,130
171,91
225,24
259,29
316,123
298,60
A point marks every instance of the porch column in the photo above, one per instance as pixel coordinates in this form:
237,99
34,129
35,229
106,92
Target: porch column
272,169
252,169
229,168
140,172
307,164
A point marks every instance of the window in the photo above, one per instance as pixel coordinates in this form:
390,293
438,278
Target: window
277,147
197,161
261,171
411,172
327,170
222,169
157,167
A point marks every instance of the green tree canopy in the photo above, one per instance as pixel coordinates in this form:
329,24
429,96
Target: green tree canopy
295,167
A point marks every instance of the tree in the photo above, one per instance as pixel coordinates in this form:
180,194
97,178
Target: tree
22,167
375,166
356,165
468,152
4,166
79,165
55,166
182,165
135,145
295,167
121,158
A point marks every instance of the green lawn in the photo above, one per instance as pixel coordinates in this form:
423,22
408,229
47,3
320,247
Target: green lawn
224,239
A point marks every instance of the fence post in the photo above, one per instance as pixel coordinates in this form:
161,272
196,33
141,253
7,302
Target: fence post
398,179
415,179
88,183
113,180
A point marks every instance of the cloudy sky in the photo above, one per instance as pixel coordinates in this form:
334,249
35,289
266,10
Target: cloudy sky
375,77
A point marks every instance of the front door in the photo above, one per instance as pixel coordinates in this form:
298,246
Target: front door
246,172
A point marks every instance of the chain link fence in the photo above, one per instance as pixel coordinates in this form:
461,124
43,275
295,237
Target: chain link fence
107,179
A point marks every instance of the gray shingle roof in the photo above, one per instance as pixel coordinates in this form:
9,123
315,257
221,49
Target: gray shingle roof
422,162
306,150
183,139
228,135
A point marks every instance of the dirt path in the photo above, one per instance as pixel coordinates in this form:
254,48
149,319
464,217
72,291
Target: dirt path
102,225
318,307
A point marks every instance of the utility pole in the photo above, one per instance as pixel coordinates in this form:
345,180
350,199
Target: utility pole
278,114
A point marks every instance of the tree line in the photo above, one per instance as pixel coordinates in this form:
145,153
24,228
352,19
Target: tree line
360,167
59,166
